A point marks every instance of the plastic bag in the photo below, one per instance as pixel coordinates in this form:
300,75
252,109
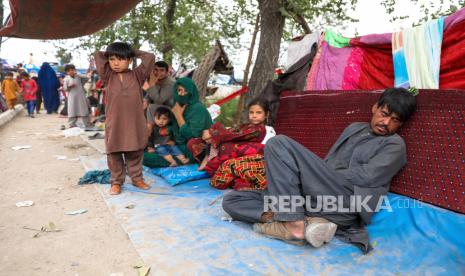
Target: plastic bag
182,174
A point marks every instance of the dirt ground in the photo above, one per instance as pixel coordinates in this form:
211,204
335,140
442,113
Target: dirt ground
92,243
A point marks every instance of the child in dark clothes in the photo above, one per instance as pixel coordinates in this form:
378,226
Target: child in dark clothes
160,140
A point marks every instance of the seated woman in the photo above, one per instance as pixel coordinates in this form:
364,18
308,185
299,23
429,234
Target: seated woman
191,119
244,146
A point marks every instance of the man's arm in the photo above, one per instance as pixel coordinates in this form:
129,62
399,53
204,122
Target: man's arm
380,169
166,95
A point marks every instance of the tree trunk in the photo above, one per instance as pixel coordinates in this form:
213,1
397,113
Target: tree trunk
297,16
168,31
202,72
245,81
271,31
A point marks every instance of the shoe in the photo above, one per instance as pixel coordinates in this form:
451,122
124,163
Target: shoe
115,189
277,230
319,230
96,136
141,185
62,127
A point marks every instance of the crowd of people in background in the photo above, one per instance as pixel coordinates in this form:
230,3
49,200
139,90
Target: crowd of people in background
150,115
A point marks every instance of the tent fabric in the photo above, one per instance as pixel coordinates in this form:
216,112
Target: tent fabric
59,19
435,137
452,69
336,40
299,47
366,62
377,70
414,46
311,76
331,67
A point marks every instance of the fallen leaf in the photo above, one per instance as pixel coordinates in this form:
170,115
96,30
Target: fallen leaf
51,225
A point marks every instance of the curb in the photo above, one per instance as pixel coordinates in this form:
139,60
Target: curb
8,115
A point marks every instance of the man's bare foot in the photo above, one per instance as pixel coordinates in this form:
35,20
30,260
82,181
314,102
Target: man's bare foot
297,228
174,164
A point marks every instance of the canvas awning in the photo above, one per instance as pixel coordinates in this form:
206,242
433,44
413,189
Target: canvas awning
60,19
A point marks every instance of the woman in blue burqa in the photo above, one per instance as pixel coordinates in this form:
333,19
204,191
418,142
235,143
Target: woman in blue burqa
49,85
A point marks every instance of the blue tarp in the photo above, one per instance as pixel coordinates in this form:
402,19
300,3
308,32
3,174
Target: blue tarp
179,230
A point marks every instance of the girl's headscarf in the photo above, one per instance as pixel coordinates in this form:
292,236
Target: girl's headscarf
192,95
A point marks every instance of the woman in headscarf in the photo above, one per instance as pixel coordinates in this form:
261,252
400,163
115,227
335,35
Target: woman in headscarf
49,84
191,118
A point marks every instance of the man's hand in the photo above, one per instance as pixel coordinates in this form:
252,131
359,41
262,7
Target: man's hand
153,79
150,149
171,143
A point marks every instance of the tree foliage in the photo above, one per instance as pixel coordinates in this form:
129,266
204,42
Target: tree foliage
63,55
181,30
316,15
427,9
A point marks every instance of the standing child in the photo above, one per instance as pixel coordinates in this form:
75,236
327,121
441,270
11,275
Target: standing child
38,102
161,140
125,131
29,89
77,102
10,88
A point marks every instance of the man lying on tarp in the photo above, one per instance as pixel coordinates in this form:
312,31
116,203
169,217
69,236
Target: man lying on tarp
309,198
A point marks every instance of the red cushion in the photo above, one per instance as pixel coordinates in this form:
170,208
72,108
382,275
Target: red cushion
435,137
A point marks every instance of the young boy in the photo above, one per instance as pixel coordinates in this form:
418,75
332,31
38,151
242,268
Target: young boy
125,132
160,139
9,89
77,102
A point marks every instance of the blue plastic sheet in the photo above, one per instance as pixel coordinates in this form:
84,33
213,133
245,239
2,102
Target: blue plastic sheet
183,230
178,175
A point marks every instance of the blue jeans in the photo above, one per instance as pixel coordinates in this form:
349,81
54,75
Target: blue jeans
30,107
164,150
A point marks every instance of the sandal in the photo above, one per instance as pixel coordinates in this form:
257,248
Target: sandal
96,136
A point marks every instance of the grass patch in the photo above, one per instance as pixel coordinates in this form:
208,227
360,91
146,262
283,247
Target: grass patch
228,112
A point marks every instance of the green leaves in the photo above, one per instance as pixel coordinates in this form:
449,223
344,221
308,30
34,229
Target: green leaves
428,9
181,30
